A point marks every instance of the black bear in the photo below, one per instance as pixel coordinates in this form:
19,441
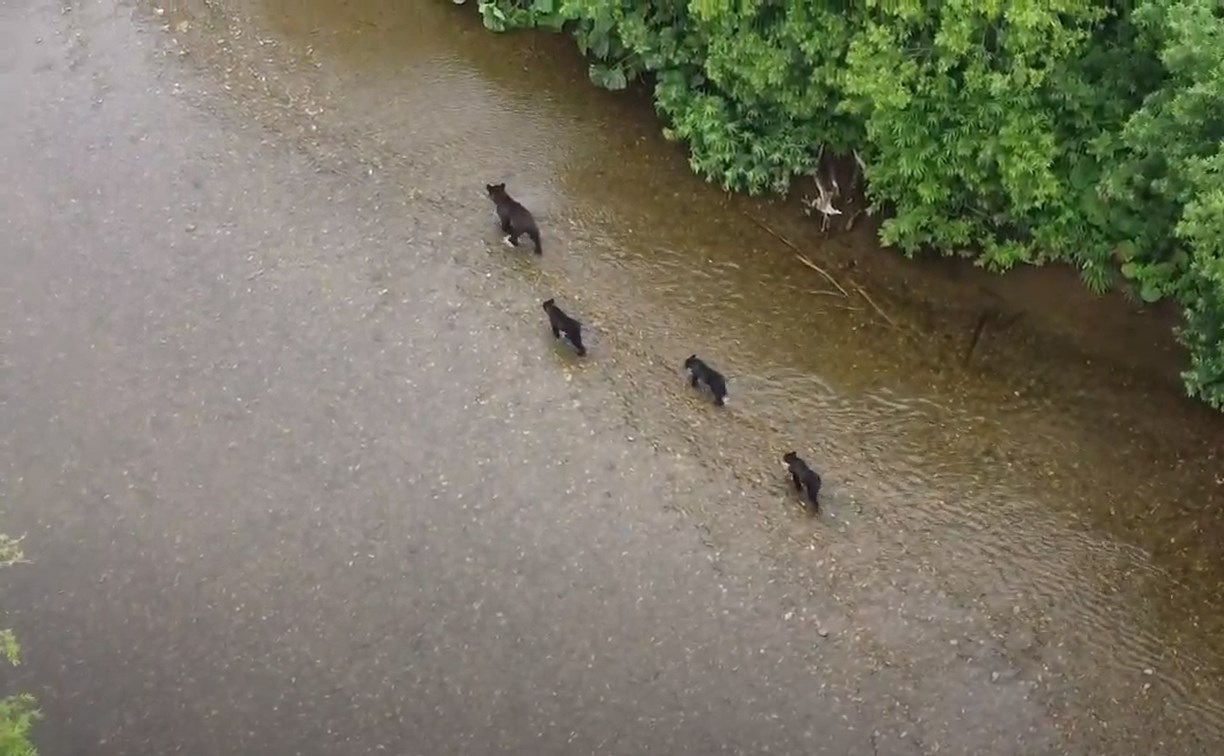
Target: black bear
515,219
699,372
804,477
564,324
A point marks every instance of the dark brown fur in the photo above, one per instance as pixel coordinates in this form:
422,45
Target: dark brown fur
560,323
515,219
700,372
804,479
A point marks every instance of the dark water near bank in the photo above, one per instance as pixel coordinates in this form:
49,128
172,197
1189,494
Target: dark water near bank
1024,550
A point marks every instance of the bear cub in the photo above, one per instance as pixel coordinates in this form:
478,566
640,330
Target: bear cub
804,477
700,372
560,323
514,218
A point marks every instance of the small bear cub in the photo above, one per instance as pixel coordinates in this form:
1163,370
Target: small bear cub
564,324
804,477
699,372
515,219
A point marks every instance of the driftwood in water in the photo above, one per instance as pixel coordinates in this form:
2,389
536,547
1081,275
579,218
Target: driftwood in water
989,315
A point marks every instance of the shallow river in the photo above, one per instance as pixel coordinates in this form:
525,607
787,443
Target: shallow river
301,471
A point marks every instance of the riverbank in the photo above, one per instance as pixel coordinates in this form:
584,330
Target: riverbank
1040,319
1045,335
1000,178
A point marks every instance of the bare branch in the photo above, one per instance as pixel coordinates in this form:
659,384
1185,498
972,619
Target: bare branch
858,159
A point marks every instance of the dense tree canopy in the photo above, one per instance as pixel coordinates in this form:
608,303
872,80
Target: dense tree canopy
1079,131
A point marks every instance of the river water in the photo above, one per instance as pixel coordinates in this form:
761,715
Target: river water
301,472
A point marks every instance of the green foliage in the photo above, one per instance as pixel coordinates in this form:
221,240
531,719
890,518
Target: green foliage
1082,131
1175,172
974,135
17,717
755,97
17,712
530,14
9,648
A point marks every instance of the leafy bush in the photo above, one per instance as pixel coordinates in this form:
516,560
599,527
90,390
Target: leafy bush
17,712
1081,131
1175,172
